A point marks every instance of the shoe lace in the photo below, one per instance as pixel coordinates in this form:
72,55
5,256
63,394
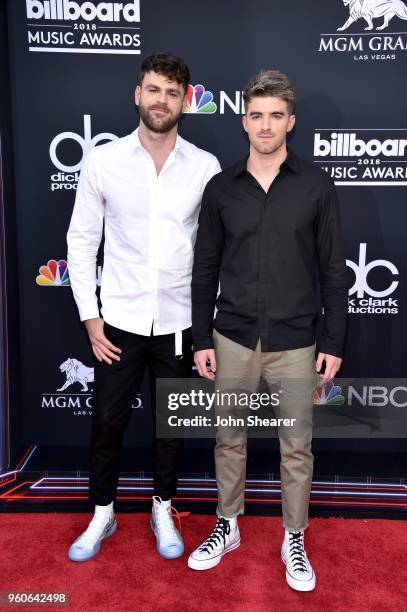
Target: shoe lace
221,530
165,518
298,557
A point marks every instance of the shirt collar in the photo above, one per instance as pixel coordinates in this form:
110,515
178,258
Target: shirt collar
179,142
291,161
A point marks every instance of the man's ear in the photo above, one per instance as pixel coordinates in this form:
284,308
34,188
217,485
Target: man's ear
137,94
291,123
244,122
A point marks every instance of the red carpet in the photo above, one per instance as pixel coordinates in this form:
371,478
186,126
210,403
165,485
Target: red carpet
360,565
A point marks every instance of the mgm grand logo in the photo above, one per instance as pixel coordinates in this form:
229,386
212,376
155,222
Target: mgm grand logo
376,15
75,393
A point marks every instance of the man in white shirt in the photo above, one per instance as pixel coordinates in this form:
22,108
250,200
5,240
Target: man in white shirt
146,190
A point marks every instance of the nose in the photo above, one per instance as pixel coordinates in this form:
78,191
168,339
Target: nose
265,124
162,97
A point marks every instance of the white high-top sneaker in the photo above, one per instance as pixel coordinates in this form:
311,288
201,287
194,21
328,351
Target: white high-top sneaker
170,544
102,525
224,538
299,573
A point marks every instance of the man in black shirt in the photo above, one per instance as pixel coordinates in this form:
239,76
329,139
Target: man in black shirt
269,233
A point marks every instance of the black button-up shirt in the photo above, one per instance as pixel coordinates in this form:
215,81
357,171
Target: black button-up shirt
268,251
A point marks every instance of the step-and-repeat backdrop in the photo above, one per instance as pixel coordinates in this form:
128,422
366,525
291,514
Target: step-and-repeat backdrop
74,67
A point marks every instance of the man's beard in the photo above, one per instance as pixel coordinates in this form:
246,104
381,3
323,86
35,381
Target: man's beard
160,125
268,148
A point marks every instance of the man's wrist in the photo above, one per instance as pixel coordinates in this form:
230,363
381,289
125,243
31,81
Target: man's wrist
326,350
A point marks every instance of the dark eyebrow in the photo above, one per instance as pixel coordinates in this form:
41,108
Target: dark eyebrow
279,113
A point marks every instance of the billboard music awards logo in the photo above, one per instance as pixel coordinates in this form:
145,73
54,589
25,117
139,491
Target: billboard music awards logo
67,161
377,16
363,157
75,393
369,300
68,26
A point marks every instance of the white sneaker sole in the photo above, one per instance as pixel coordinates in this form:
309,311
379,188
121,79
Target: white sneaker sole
209,563
299,585
97,549
179,547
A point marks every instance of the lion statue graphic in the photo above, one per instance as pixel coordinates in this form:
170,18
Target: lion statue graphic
76,371
372,9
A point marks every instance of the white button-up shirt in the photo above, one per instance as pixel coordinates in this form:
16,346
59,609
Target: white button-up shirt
150,228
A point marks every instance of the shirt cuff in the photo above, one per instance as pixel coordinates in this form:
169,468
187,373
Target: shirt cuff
202,345
89,311
330,350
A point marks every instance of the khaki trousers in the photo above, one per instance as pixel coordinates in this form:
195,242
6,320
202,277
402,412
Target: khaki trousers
245,368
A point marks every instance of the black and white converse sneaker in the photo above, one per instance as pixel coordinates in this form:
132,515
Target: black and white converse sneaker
299,573
224,538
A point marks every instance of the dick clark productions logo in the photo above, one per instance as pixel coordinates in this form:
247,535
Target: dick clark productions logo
368,300
68,175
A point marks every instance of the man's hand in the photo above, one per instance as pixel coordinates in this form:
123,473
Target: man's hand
332,365
201,358
103,349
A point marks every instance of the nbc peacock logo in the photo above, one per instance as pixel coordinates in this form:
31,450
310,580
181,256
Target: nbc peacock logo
199,101
328,394
54,274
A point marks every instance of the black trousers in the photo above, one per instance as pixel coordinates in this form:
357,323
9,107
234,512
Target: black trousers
114,389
